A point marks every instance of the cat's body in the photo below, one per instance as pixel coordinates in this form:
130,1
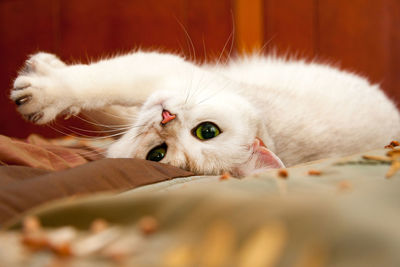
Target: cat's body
301,111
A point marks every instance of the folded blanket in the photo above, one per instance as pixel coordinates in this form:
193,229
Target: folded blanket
39,170
49,154
336,212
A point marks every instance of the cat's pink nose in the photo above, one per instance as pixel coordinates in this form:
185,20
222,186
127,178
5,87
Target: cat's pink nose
167,117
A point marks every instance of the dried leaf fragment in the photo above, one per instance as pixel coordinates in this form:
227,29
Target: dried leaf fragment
393,144
148,225
225,176
283,173
35,242
377,158
394,154
59,240
33,236
96,242
123,247
345,186
63,250
98,225
31,224
314,172
393,169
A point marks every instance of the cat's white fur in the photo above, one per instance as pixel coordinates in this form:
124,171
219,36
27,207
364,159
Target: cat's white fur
301,111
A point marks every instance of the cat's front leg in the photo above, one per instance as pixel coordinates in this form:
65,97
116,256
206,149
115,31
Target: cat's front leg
46,87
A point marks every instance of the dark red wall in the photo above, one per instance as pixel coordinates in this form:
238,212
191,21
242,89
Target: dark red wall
359,35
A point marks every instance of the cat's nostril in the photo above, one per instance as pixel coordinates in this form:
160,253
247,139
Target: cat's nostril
167,117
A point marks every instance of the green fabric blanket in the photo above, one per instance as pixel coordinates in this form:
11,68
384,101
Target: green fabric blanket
335,212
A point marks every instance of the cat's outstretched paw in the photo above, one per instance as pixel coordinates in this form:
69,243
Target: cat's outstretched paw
38,90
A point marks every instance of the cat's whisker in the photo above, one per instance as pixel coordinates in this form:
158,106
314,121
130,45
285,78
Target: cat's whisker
233,38
230,37
136,136
204,49
101,131
200,86
86,154
193,89
189,40
189,87
89,150
261,50
105,141
220,90
114,126
72,136
129,116
97,146
91,137
82,135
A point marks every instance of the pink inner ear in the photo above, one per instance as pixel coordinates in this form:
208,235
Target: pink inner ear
261,159
265,158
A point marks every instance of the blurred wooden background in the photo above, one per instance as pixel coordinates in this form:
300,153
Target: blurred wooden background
357,35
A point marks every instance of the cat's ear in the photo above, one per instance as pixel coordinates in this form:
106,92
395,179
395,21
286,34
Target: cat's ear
265,157
261,159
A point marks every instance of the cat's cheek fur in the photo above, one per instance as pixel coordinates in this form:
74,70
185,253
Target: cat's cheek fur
120,149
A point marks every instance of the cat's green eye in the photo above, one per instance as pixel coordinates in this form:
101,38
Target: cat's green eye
157,153
206,130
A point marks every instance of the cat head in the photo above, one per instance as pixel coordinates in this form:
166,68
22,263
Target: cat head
206,131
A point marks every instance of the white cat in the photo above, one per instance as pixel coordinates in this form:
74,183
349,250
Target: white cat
249,114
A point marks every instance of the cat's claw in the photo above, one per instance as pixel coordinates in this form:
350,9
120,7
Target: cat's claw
36,92
35,117
22,100
69,112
